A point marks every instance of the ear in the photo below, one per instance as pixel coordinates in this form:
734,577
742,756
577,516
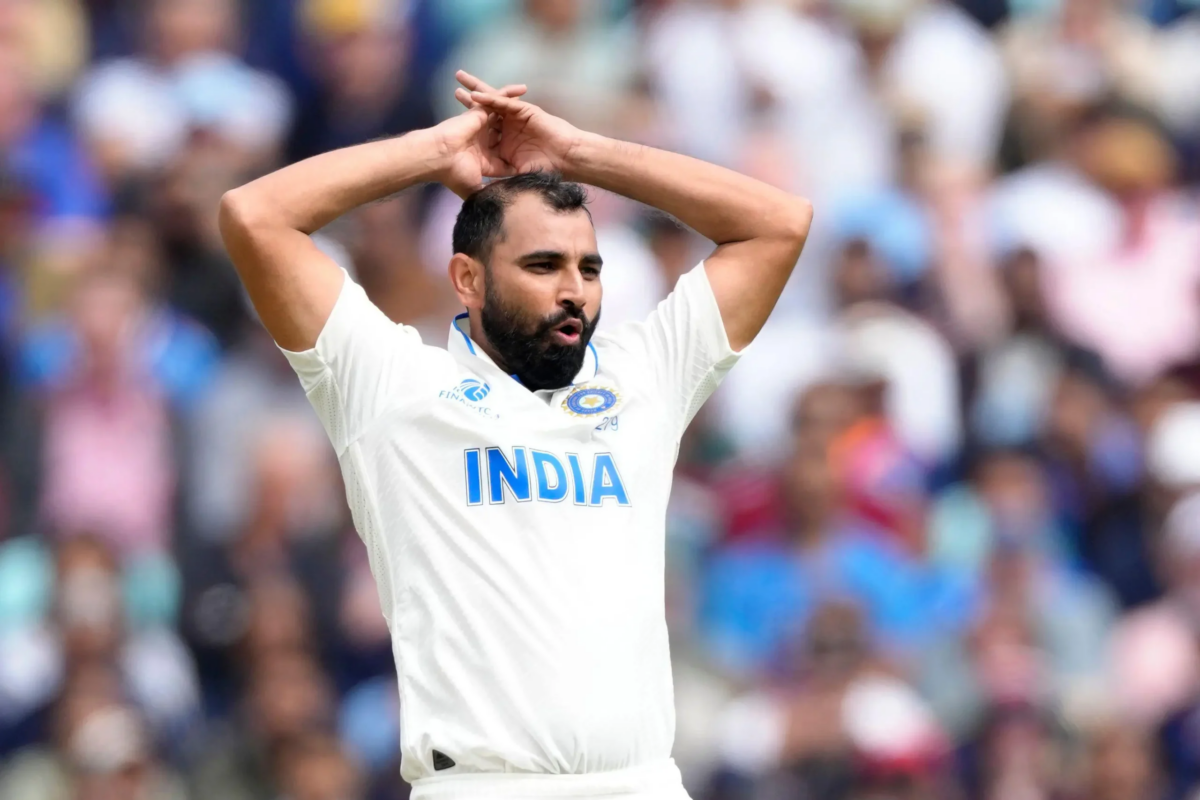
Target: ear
466,276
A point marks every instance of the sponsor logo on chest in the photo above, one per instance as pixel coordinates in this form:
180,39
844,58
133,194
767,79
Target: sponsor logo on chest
472,393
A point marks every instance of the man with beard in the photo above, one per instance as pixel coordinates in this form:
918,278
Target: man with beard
512,489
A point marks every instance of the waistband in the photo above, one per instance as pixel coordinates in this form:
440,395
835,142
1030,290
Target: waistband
656,781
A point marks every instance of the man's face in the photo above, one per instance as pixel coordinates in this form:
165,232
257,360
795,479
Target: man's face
542,296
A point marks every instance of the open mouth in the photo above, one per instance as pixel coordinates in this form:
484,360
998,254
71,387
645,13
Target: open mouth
568,332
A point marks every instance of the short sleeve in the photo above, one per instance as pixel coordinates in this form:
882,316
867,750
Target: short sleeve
357,370
685,344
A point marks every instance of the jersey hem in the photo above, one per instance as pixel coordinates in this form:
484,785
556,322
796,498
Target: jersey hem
656,779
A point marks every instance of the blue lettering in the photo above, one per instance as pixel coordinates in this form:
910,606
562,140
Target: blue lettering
553,481
545,491
474,478
501,472
577,474
606,481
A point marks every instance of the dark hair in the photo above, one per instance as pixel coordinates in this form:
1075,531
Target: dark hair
482,216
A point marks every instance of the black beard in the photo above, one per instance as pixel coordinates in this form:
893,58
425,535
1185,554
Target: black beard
525,347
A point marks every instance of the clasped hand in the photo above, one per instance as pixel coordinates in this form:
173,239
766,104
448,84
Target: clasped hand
499,135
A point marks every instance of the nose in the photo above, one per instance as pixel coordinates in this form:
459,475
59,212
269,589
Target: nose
570,289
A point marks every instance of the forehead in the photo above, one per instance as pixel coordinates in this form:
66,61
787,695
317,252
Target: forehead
530,225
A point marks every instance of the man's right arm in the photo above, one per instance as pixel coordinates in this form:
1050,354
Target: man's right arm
266,226
266,223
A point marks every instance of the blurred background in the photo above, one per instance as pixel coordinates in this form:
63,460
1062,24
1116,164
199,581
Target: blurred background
937,537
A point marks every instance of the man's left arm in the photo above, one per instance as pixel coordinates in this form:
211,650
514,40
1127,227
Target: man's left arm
759,230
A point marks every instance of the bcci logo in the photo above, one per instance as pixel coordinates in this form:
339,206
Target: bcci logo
473,390
586,401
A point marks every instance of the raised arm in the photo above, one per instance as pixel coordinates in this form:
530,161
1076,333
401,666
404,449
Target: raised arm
266,223
759,230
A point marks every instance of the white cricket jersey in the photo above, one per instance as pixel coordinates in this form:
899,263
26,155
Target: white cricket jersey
517,537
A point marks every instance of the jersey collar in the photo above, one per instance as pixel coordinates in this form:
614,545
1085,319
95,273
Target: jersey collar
460,344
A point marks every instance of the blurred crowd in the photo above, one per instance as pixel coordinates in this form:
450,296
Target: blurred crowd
936,538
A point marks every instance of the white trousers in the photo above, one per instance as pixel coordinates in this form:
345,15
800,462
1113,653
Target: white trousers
658,781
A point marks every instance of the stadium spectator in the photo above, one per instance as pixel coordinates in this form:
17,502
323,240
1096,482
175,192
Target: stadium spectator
106,450
1153,266
138,111
760,595
286,697
251,387
317,767
1071,55
43,152
105,753
579,64
360,53
171,352
1123,763
1034,601
1155,671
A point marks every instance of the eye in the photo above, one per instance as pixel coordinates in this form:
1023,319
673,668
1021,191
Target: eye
591,272
541,266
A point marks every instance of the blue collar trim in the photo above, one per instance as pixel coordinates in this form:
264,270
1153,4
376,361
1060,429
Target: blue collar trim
466,338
